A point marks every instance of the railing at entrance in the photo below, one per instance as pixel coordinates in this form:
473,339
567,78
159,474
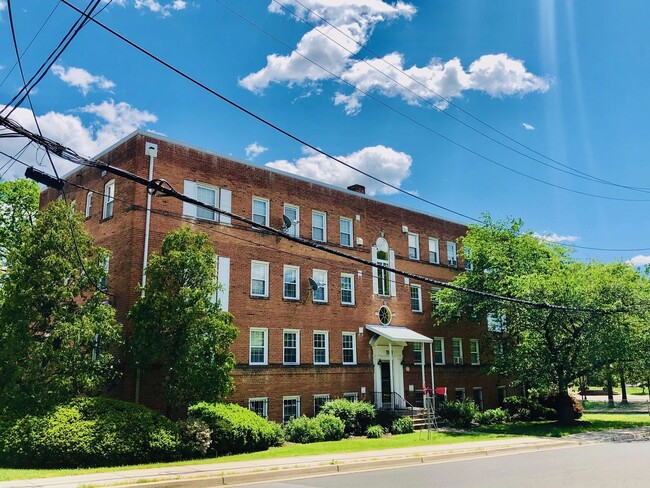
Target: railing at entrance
390,401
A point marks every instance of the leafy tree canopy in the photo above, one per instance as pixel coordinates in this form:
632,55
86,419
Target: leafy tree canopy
57,334
18,205
543,346
178,323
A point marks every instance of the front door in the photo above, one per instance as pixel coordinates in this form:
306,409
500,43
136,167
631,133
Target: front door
386,386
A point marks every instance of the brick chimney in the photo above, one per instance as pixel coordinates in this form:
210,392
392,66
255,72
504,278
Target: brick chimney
358,188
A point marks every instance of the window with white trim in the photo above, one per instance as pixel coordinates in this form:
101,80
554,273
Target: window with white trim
222,277
290,408
478,397
452,258
318,226
89,204
260,211
259,279
345,226
501,395
457,350
460,394
292,212
496,322
210,196
351,396
321,347
474,357
220,198
349,348
347,289
383,283
260,406
109,199
416,298
467,258
319,401
320,294
434,252
439,350
414,246
417,353
291,347
259,346
105,265
291,281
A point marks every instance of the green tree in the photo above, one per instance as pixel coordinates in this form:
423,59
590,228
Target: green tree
57,333
179,326
18,206
542,346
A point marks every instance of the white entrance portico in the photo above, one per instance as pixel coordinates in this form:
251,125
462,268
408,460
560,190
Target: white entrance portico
387,356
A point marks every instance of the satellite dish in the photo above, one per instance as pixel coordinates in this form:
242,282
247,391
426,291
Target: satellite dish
286,222
312,284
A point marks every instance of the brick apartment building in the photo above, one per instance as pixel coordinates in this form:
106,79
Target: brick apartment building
363,333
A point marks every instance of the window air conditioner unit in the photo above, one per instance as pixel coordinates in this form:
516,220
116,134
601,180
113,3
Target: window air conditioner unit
452,262
458,360
359,241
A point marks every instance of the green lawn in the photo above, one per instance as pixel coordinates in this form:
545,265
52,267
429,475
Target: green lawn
590,422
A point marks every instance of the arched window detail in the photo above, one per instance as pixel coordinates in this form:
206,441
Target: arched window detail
383,281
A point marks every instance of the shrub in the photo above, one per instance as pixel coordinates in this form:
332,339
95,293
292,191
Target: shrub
490,417
236,429
403,425
522,408
195,438
91,432
356,416
333,427
553,402
304,430
458,414
375,432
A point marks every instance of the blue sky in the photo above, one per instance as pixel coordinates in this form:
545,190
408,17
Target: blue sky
565,79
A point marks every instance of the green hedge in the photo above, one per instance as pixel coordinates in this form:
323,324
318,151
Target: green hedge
458,414
91,432
493,416
375,432
236,429
402,425
323,427
356,416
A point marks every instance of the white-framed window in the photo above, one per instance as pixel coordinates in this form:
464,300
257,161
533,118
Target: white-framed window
383,283
290,408
260,406
467,258
347,289
414,246
260,211
259,279
345,226
318,226
460,394
416,298
291,347
210,196
105,265
474,356
89,204
457,350
349,348
496,322
439,350
259,346
321,347
220,198
434,296
417,353
291,283
452,258
320,294
478,397
434,251
292,212
501,395
222,277
109,199
319,401
351,396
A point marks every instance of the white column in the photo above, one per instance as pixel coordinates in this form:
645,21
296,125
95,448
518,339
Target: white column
392,379
423,356
433,381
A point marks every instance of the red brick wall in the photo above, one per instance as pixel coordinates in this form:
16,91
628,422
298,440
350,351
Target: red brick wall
124,233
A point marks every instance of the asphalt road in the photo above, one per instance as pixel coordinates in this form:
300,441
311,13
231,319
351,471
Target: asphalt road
600,465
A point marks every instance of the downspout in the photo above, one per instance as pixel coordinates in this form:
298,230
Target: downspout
433,381
151,150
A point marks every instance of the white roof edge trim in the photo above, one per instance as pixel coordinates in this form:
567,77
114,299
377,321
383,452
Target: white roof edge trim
398,334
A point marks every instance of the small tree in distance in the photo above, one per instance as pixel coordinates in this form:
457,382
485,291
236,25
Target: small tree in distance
179,326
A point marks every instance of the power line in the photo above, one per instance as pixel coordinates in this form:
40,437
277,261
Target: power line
572,171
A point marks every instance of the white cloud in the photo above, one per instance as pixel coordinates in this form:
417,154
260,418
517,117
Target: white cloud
555,238
495,74
528,126
639,260
82,79
110,122
253,150
3,5
164,9
383,162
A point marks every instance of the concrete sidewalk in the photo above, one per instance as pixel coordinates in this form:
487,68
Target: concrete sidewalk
206,475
